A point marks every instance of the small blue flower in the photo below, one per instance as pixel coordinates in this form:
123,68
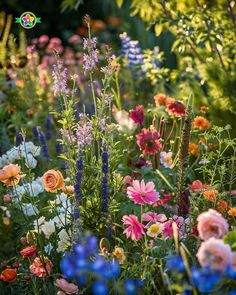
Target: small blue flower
233,292
230,272
205,279
112,270
67,266
99,288
175,263
91,245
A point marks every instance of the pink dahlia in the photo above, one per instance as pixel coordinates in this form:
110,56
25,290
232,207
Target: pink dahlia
212,224
135,228
215,253
142,193
137,115
176,109
168,226
149,141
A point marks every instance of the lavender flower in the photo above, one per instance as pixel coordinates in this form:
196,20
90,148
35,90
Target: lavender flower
68,135
84,131
60,80
19,139
43,143
90,58
48,126
77,187
35,132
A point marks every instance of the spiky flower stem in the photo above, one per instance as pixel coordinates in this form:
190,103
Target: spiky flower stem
183,157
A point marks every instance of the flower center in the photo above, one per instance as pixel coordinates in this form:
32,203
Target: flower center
154,228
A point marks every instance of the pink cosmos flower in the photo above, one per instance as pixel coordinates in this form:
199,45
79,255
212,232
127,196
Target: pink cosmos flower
68,288
142,193
41,269
135,228
149,141
137,115
214,253
152,217
176,109
197,186
211,224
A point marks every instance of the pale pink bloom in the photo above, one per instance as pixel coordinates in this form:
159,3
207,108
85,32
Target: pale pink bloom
128,180
142,193
214,253
166,159
67,287
43,39
234,260
151,217
211,224
135,228
41,268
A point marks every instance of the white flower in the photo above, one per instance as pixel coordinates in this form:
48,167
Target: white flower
64,241
30,161
166,159
123,119
204,161
48,228
155,229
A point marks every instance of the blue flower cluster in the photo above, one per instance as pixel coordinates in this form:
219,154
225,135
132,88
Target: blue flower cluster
131,50
85,266
43,143
48,126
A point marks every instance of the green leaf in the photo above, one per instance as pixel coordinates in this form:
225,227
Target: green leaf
230,239
119,3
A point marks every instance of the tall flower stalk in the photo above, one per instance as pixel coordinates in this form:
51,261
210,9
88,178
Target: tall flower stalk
183,157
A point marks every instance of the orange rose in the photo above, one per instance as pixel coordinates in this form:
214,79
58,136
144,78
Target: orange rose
8,275
10,174
53,180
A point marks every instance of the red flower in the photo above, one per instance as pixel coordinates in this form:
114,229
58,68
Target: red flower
149,141
176,109
29,252
8,275
137,115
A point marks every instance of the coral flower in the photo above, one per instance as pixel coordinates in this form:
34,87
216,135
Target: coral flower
149,141
41,268
222,206
176,109
214,253
193,149
8,275
142,193
53,180
29,252
212,224
10,175
210,195
68,288
137,115
197,186
135,228
201,123
162,99
232,212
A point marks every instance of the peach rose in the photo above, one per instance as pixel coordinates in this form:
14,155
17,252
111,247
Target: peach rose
10,174
41,269
211,224
68,189
68,288
53,180
215,253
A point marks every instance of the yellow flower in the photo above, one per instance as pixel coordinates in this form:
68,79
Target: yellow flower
119,254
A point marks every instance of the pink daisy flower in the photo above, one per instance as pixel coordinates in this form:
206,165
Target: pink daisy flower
152,217
135,228
142,193
137,115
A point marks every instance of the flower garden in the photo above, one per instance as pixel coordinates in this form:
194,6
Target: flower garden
117,172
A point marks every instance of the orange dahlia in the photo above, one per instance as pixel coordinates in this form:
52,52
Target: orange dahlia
210,195
201,123
193,149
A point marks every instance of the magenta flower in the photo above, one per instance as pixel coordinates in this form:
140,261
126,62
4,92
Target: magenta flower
168,226
137,115
152,217
135,228
142,193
